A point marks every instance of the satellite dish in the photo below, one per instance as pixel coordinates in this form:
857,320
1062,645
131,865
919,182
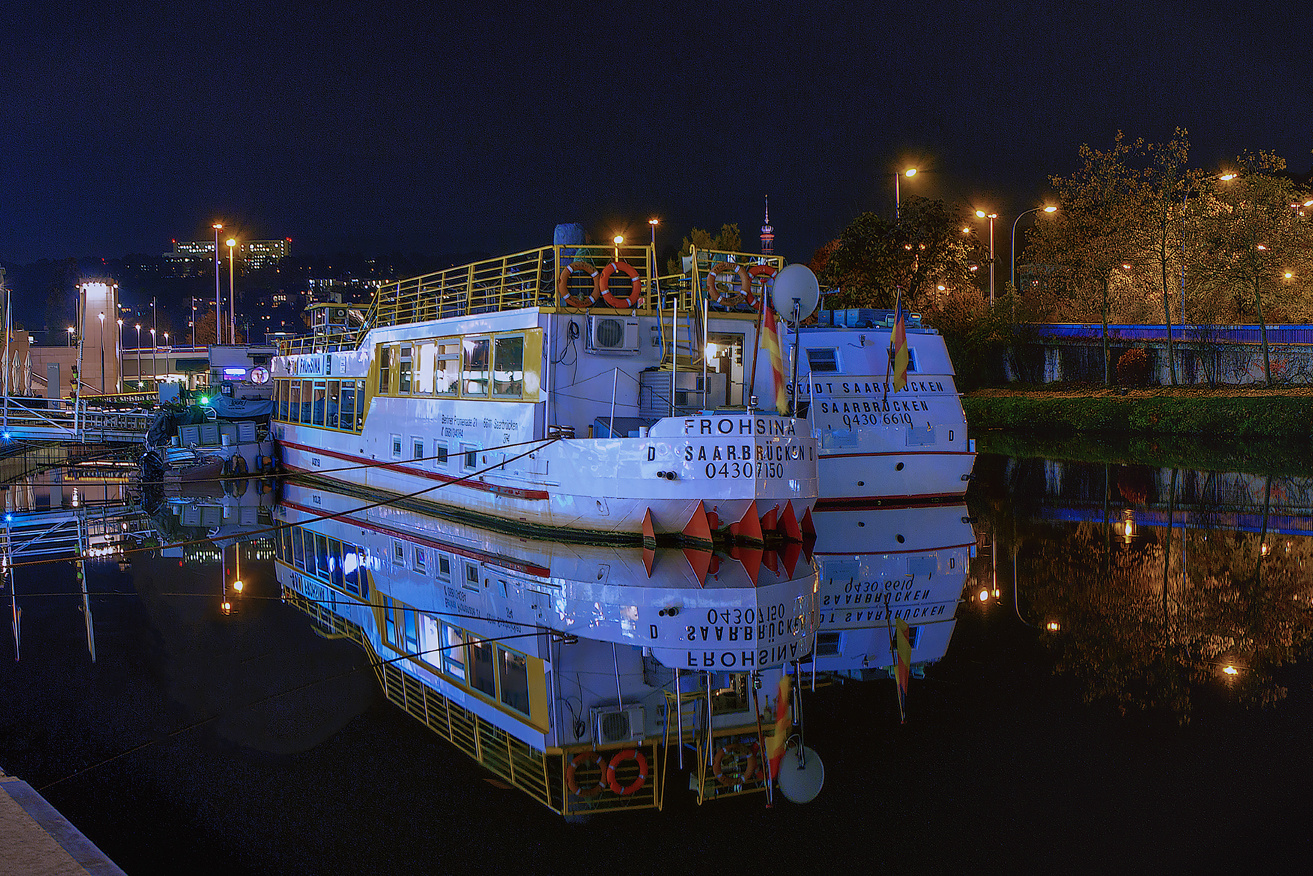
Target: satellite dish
795,283
801,772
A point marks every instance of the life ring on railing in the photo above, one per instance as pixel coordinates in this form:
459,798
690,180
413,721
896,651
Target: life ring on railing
734,751
614,784
635,285
563,284
718,294
580,759
765,271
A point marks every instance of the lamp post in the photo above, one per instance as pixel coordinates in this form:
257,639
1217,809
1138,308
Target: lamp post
218,307
139,383
102,353
167,351
193,322
617,240
70,336
909,173
154,348
232,298
1049,209
118,352
991,217
654,222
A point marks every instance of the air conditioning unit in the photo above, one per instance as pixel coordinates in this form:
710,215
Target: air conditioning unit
612,334
618,725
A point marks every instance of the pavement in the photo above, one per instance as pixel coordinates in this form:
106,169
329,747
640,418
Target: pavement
35,840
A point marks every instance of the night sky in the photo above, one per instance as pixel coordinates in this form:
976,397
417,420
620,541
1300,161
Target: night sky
379,127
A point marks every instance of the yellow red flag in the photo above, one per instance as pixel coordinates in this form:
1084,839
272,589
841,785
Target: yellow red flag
783,723
770,340
901,355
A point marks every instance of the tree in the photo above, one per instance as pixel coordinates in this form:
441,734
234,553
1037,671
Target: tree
1096,229
728,239
875,258
205,330
1168,186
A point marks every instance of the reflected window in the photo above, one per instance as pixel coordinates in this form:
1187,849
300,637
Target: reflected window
514,681
474,367
483,667
453,652
446,368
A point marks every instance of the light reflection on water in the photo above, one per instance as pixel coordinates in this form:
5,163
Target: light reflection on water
255,745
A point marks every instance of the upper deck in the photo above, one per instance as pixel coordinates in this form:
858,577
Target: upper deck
561,277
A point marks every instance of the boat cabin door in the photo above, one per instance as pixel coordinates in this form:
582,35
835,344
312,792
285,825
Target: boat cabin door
725,356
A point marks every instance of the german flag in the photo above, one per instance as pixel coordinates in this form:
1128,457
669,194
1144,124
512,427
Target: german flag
783,724
899,344
770,340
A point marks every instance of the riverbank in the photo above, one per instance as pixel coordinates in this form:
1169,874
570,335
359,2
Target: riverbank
1231,412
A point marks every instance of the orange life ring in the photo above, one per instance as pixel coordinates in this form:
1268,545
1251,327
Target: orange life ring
621,757
765,271
734,750
718,294
635,286
563,283
581,759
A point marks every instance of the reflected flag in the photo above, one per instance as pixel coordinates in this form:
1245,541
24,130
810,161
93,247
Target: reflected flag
898,343
904,667
770,340
777,743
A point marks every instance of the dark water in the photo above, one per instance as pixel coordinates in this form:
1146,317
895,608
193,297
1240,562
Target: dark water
204,743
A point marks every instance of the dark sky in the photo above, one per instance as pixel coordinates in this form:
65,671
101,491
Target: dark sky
476,127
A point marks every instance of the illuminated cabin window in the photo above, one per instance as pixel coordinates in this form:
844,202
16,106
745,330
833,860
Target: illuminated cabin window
404,371
424,364
508,367
446,368
474,367
384,370
453,652
513,681
823,359
483,667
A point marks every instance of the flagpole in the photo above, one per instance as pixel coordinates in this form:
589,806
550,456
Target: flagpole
898,304
761,741
898,691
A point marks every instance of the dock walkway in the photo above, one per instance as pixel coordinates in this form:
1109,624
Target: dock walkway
35,840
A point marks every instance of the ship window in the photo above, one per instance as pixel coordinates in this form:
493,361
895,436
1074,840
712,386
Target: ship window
398,552
348,405
307,400
417,448
396,446
294,412
287,545
471,454
514,680
440,453
421,562
471,576
321,554
444,567
284,388
389,621
453,652
309,539
404,371
334,392
321,403
446,368
482,667
424,363
474,370
508,367
352,573
384,370
298,550
823,359
335,564
412,631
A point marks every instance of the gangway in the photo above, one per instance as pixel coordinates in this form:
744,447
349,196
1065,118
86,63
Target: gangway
39,419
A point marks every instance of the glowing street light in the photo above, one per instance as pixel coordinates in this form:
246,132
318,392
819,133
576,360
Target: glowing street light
232,299
102,353
118,351
617,240
138,355
218,307
991,217
1047,209
154,348
654,222
909,173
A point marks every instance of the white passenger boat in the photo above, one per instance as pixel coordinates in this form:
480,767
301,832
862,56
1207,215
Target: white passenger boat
572,671
879,444
547,393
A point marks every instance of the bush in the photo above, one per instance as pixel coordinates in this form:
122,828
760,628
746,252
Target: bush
1133,368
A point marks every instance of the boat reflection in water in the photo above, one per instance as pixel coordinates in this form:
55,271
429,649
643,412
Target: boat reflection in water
880,564
554,665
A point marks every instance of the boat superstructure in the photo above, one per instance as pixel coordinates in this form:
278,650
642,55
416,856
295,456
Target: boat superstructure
878,443
555,392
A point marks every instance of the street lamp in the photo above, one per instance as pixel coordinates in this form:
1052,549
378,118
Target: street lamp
118,352
218,308
909,173
617,240
102,353
232,299
654,222
1048,209
154,348
139,384
70,336
991,217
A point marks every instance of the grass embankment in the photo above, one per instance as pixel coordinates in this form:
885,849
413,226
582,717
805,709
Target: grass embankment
1235,429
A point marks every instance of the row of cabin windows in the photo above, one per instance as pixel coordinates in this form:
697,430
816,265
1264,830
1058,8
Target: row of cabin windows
333,404
471,367
445,568
499,673
441,456
826,359
338,564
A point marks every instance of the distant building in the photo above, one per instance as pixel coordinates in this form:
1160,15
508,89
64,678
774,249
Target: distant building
767,234
191,257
